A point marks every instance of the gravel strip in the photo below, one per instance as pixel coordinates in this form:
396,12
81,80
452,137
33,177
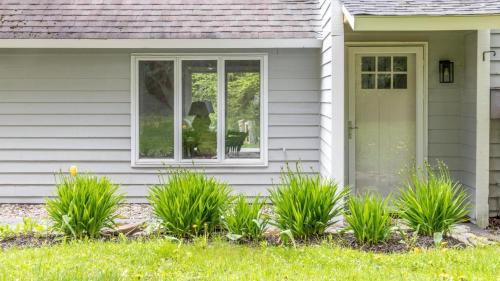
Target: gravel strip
136,212
12,213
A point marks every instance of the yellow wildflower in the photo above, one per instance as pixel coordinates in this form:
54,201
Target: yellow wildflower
73,171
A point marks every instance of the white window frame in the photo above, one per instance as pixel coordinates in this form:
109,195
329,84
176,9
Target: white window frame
221,161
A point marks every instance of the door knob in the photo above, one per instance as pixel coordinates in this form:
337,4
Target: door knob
350,128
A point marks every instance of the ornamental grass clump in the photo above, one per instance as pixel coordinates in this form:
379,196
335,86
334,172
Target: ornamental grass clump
433,203
368,216
306,205
245,220
190,204
85,204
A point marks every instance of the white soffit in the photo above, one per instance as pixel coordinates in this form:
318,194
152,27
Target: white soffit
421,22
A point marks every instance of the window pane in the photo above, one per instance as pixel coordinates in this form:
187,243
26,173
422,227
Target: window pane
367,81
242,95
368,64
384,63
400,64
400,81
199,110
156,109
384,81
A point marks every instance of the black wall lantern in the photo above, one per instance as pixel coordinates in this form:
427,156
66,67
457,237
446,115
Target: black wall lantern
446,71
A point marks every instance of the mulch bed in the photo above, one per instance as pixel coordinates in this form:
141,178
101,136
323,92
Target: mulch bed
394,244
34,241
30,241
494,226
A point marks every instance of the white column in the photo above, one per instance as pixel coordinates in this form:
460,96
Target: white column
482,129
338,97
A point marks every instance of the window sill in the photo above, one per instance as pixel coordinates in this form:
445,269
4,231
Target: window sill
200,164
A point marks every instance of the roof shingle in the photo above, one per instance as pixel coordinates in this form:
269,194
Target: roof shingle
422,7
159,19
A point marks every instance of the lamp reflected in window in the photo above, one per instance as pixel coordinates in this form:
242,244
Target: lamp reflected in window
199,98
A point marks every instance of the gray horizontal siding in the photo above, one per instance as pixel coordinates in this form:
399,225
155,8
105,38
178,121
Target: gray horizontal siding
70,108
494,195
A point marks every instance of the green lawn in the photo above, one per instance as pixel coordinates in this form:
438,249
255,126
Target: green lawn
164,260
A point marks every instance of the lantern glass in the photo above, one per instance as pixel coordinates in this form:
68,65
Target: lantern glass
446,71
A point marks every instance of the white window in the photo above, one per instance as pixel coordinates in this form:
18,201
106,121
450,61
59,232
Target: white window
199,109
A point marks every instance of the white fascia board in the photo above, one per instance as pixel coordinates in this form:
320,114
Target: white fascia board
159,43
348,17
422,23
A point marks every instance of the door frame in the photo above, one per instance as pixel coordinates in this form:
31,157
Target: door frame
420,49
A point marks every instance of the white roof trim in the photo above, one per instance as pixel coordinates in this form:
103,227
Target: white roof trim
348,17
421,23
160,43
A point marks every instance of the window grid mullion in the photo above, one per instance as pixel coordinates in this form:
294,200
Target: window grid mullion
221,99
178,109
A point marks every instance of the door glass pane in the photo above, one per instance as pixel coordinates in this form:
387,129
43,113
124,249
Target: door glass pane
384,63
368,64
367,81
156,109
400,64
242,96
400,81
199,109
384,81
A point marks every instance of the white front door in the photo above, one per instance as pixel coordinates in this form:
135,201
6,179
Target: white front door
382,124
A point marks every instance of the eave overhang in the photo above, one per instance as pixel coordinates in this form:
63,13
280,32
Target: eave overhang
160,43
420,22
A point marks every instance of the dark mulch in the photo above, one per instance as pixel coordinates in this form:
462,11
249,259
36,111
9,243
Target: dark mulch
495,223
395,244
35,241
30,241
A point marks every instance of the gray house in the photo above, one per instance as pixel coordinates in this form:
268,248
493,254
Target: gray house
355,90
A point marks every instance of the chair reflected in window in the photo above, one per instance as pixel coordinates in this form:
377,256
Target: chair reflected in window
234,142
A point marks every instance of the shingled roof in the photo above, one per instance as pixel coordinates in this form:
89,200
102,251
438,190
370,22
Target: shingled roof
421,7
159,19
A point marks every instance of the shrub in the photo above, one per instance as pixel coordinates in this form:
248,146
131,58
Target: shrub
245,220
305,205
433,203
190,203
369,218
84,205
